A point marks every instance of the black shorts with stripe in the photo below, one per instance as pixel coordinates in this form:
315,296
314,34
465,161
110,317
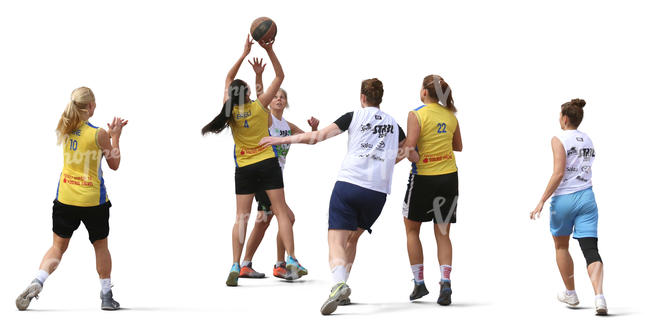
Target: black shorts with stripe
431,198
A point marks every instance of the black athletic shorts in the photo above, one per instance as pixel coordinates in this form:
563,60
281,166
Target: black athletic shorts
67,218
260,176
263,201
431,198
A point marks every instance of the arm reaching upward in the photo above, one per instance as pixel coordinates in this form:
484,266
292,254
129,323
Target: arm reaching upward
235,68
266,97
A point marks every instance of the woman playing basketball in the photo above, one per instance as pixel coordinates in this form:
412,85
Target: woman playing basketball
573,206
363,182
279,128
257,167
81,193
432,192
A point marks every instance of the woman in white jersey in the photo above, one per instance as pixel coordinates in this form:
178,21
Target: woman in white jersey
81,193
363,182
573,206
279,128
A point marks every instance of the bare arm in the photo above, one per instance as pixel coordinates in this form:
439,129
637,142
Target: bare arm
266,97
235,68
109,142
559,164
457,142
400,151
306,138
313,123
258,68
412,136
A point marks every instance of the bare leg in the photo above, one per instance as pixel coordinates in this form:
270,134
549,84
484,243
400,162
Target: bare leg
564,260
337,241
103,258
53,256
282,213
280,245
241,221
441,231
595,270
351,248
257,234
413,244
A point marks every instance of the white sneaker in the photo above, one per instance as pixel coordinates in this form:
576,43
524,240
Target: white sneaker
601,306
32,291
570,300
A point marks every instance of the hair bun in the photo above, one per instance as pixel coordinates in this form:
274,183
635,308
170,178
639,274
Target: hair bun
579,102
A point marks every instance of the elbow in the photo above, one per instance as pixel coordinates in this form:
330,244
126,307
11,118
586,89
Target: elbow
114,167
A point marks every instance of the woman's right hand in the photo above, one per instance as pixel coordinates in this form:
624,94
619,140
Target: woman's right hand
248,45
268,46
257,65
115,127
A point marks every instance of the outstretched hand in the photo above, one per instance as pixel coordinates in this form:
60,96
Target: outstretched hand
270,141
248,45
115,127
257,65
268,46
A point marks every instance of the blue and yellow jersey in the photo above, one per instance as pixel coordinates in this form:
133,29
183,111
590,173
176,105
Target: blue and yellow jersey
249,125
81,182
437,127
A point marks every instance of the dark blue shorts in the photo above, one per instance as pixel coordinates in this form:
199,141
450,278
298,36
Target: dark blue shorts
353,207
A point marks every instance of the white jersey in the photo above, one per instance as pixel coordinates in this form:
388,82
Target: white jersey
280,128
373,142
580,156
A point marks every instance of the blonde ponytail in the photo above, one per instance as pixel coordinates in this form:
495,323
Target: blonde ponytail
72,116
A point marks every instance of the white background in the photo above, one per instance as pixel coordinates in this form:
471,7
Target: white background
162,64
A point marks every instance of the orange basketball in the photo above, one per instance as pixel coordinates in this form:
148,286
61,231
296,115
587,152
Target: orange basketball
263,29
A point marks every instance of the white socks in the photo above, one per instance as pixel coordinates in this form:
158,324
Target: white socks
106,285
246,264
41,276
278,263
418,273
339,274
445,271
571,292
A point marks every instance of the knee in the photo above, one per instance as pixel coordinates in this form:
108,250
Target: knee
589,247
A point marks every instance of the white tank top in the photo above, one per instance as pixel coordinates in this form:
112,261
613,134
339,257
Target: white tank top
373,141
280,128
580,156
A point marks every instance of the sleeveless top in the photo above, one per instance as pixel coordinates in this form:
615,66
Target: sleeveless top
580,156
280,128
249,125
81,182
437,127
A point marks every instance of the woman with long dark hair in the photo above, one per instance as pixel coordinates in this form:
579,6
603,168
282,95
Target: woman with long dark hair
257,167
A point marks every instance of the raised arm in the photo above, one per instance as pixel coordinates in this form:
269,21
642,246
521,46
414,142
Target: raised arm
235,68
109,142
306,138
559,163
266,97
258,68
313,123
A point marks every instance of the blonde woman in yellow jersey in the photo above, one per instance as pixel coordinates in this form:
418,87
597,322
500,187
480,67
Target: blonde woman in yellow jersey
432,192
256,167
81,192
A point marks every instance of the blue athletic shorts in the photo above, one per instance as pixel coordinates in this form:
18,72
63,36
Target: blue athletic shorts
575,213
353,207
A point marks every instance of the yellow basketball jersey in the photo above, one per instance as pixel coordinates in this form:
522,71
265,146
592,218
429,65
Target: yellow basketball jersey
81,182
249,125
437,127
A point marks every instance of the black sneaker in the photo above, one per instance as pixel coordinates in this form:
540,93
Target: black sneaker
419,291
445,293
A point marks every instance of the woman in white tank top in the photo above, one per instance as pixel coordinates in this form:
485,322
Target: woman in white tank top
278,127
573,206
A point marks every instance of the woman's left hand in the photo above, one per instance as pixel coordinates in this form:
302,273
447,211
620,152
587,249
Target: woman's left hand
257,65
313,122
538,210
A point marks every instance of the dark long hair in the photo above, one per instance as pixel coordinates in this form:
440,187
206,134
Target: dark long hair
439,91
237,92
